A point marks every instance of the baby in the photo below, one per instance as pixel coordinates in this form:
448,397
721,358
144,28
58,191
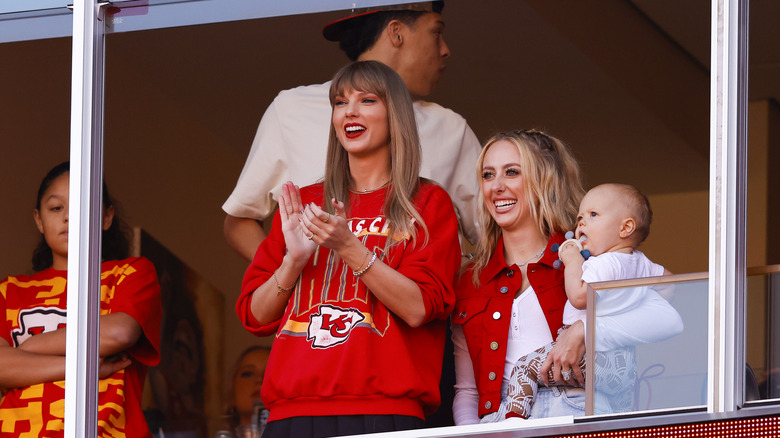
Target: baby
613,220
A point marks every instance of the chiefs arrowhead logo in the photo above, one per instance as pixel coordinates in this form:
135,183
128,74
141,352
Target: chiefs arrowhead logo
332,325
36,321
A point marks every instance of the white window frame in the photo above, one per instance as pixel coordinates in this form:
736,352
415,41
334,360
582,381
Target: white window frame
728,201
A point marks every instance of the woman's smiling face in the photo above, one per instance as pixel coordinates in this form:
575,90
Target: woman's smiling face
503,186
360,121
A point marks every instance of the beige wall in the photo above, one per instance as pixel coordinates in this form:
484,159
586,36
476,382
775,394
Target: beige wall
679,237
773,181
758,188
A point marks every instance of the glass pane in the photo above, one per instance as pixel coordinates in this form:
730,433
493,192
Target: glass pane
35,126
762,380
771,386
35,19
640,333
13,6
762,346
182,107
183,104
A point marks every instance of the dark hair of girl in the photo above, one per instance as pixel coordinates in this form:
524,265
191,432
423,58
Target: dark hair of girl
116,244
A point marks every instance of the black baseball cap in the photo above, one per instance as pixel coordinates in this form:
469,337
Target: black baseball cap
335,30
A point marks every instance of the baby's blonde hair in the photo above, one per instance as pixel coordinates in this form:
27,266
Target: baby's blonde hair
638,206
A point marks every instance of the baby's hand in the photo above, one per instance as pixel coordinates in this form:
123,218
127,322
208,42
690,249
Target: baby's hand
569,252
567,248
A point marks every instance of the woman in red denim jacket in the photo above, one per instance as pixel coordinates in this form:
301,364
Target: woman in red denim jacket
511,299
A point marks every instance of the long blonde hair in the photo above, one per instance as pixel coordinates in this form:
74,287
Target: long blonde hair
405,152
552,184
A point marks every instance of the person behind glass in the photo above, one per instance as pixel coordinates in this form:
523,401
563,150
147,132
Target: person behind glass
356,275
32,360
613,220
246,381
288,144
510,300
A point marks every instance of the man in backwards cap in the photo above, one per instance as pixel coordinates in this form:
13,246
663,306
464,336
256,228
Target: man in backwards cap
290,144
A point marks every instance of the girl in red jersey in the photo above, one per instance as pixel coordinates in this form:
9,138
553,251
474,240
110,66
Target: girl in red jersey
356,276
34,309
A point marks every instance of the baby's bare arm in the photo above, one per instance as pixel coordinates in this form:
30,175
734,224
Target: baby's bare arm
576,289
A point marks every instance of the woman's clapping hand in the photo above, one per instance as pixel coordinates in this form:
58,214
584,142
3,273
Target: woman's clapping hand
298,239
328,230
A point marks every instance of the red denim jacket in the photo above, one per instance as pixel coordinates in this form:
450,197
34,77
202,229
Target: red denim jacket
485,311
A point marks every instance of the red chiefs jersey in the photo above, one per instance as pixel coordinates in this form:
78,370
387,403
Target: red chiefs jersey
338,349
37,304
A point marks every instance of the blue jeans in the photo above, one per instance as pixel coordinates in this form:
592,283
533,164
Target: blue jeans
554,401
558,401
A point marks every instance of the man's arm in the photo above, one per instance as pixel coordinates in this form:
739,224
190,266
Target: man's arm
244,235
290,145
